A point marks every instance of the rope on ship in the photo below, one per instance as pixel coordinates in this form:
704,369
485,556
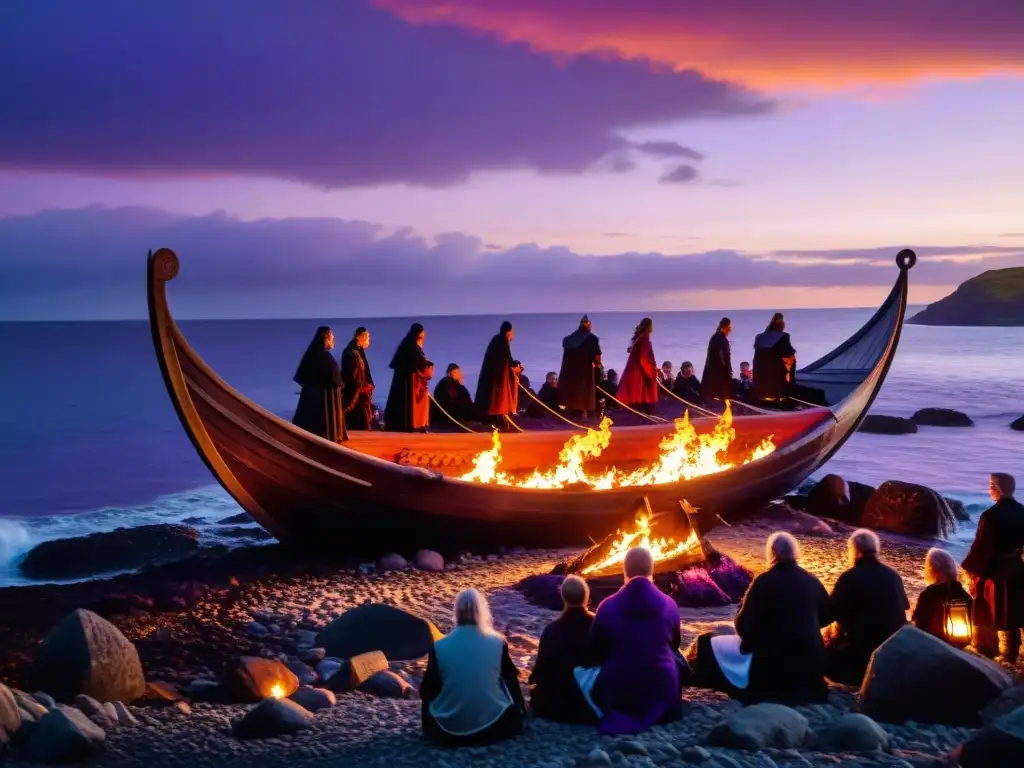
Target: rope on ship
454,421
655,419
687,403
804,402
544,405
513,424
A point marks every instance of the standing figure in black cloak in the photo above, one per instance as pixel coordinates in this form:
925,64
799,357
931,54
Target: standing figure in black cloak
357,397
716,383
497,393
774,360
408,406
452,395
319,410
581,368
997,572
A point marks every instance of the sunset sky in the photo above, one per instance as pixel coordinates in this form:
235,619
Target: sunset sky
393,157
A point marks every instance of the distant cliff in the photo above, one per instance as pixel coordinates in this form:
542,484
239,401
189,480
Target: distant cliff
995,297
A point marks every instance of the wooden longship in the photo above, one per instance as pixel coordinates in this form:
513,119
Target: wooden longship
313,492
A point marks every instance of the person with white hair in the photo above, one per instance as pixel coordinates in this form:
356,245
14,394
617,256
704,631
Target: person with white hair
868,603
470,693
995,565
932,610
564,642
779,625
635,644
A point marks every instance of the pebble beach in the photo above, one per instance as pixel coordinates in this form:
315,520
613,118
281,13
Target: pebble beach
272,609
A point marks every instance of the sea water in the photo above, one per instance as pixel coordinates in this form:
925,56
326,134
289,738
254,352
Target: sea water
89,440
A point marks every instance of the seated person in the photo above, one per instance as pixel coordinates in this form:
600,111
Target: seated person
452,395
548,395
868,603
608,387
470,693
745,383
687,385
563,647
665,378
779,626
635,641
942,576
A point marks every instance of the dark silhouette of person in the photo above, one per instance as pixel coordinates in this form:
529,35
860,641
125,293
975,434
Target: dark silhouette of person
774,361
319,409
716,383
581,362
408,405
357,396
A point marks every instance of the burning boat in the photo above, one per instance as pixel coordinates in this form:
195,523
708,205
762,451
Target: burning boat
539,488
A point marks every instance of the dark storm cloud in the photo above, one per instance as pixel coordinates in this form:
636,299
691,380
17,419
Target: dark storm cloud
330,92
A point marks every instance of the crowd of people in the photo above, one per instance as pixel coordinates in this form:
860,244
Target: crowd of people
337,397
622,669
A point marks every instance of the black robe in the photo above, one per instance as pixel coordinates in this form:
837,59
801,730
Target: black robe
717,379
772,380
932,607
869,603
496,390
995,560
780,623
549,396
357,397
554,694
408,405
577,382
319,409
454,398
687,387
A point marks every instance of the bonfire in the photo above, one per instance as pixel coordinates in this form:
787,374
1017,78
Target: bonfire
683,455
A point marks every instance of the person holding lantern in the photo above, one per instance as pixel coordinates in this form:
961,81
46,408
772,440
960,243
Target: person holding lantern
357,393
944,608
997,572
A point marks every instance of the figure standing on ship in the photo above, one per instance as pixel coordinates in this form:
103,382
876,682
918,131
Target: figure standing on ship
319,409
716,383
408,406
357,396
638,387
581,365
497,393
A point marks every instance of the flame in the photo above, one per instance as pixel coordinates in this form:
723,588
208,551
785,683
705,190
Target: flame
683,455
661,549
277,691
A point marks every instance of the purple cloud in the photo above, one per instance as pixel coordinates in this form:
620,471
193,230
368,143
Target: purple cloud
338,94
681,174
90,263
667,149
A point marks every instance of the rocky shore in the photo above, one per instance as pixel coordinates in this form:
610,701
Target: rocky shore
211,628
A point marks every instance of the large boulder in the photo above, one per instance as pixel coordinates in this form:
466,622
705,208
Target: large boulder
65,735
783,517
272,717
87,654
356,671
251,678
1001,743
1018,424
1008,701
916,676
909,509
879,424
958,509
398,634
838,499
761,726
941,417
119,550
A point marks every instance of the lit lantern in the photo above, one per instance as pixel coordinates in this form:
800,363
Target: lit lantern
958,624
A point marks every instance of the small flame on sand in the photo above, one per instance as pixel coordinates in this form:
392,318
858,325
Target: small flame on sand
661,549
276,692
684,455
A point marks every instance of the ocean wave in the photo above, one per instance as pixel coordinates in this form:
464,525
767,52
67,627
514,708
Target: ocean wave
201,508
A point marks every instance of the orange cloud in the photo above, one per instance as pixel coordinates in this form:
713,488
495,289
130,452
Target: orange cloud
765,43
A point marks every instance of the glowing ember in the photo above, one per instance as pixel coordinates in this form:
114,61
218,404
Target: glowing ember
662,549
684,455
276,692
